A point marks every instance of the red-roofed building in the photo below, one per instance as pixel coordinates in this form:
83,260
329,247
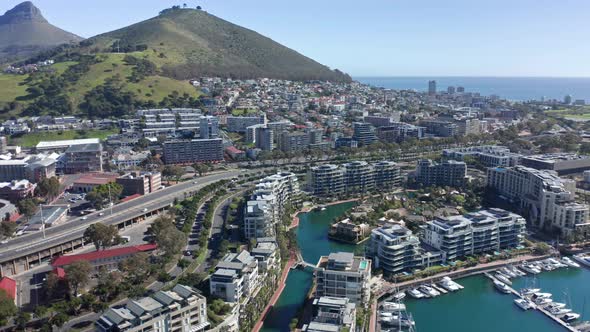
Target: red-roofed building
129,198
109,258
59,272
90,180
234,153
9,286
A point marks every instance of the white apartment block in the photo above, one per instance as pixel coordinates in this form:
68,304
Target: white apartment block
488,155
236,275
343,275
544,198
182,309
475,233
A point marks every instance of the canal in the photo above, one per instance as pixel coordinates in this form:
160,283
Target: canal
478,307
312,238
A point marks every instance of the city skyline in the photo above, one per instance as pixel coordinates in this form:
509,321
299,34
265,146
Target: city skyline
392,39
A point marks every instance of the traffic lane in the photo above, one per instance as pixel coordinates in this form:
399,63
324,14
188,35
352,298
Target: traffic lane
158,195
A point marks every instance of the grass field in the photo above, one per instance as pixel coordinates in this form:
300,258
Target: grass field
32,139
241,111
580,113
10,87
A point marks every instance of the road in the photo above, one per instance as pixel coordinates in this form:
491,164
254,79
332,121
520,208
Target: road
32,243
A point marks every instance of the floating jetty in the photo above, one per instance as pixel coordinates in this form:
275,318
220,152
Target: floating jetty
540,308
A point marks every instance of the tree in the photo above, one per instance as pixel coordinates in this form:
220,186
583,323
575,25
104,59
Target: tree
169,239
78,275
7,307
59,319
201,169
136,268
101,235
102,195
28,207
49,187
7,228
22,319
173,171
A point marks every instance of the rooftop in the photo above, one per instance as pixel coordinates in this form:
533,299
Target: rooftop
66,143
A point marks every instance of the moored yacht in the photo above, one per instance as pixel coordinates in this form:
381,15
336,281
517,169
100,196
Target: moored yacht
503,278
415,293
429,291
502,287
583,259
525,304
569,262
570,317
449,284
530,268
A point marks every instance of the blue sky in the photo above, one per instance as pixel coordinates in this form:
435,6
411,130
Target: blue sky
385,37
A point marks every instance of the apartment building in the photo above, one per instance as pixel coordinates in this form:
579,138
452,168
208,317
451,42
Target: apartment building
562,163
440,128
81,158
181,309
332,314
193,151
363,133
268,202
359,177
447,173
387,174
239,124
546,200
236,275
141,183
487,155
397,132
209,127
394,249
343,275
326,180
475,233
293,141
267,254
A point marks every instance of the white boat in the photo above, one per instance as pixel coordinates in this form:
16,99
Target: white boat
399,296
415,293
570,317
503,278
583,259
530,268
393,307
559,311
507,272
556,305
569,262
449,284
429,291
516,271
542,301
525,304
529,291
502,287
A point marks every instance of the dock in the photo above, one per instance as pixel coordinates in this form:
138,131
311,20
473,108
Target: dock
547,313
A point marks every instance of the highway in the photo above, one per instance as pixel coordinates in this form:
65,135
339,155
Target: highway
56,235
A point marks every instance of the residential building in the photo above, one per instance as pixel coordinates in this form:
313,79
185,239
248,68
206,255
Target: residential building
394,249
432,87
345,230
8,211
447,173
487,155
387,174
332,314
293,141
359,177
236,275
267,254
209,127
193,151
363,133
17,190
475,233
345,142
182,309
87,182
343,275
562,163
440,128
81,158
544,198
398,132
239,124
258,219
8,285
326,180
108,259
379,121
141,183
264,138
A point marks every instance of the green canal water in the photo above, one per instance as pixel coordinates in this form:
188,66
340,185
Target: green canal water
478,307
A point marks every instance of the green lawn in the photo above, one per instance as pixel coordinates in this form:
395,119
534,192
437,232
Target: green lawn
10,87
238,112
575,113
32,139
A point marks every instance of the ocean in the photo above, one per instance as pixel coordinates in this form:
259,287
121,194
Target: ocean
511,88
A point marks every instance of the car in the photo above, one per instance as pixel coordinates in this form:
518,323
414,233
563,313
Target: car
4,242
84,218
144,210
195,182
188,253
101,214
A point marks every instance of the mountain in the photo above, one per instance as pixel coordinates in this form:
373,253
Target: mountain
24,31
188,43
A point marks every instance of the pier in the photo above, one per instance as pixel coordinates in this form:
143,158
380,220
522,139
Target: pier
540,308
